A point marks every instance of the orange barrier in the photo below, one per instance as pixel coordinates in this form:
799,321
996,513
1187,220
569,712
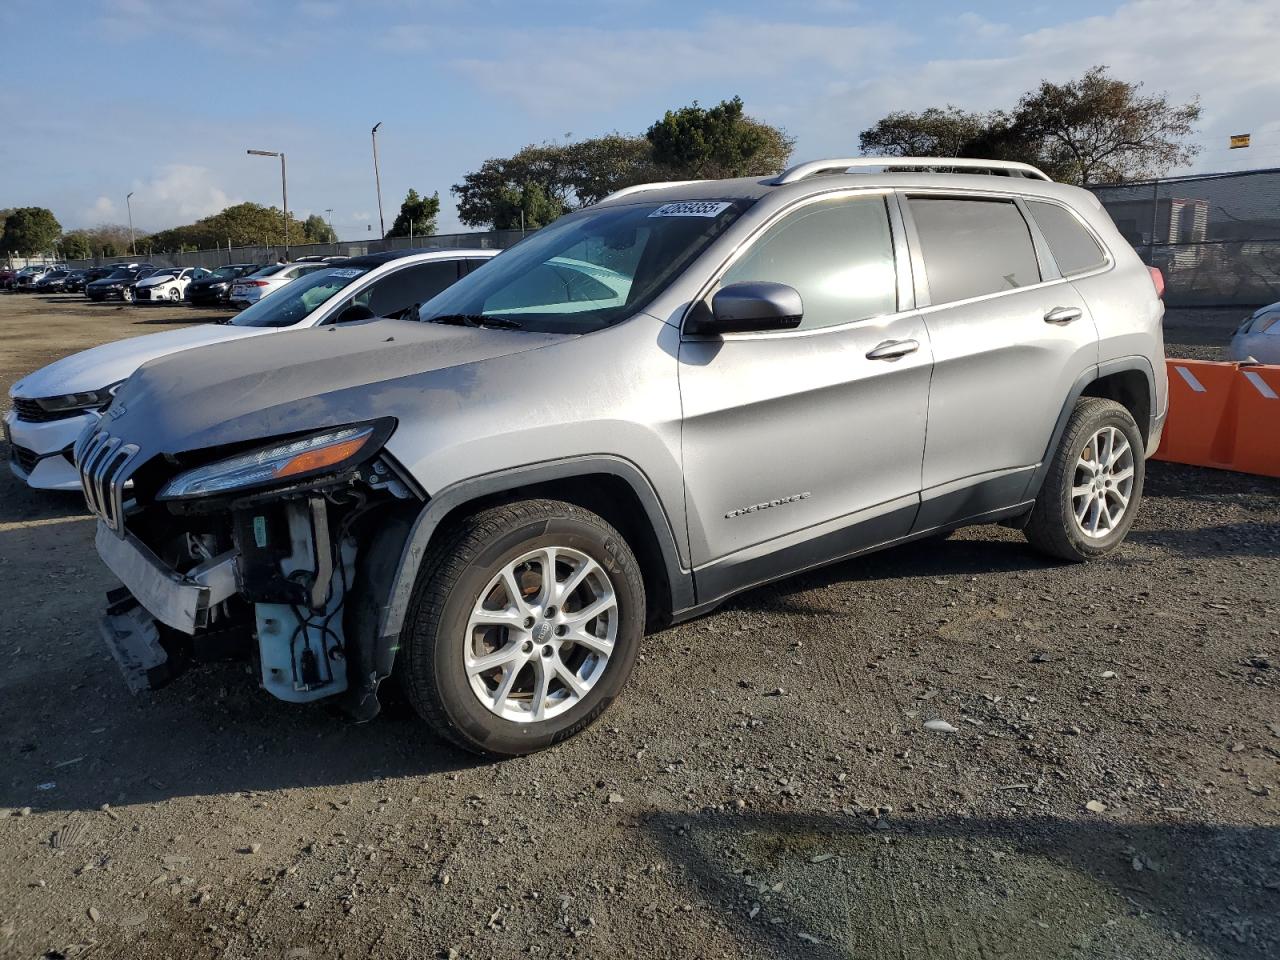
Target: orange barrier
1223,415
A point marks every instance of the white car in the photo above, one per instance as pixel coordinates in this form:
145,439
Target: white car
167,283
249,290
1258,338
52,406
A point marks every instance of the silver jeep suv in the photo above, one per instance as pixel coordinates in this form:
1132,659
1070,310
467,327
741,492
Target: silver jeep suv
654,403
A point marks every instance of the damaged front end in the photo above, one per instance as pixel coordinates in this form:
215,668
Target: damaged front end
250,552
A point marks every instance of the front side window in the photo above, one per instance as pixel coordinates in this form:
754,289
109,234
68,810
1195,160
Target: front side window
588,270
1073,248
413,286
837,254
973,247
295,301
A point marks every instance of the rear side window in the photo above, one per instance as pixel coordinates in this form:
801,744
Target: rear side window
1074,250
973,247
410,287
838,254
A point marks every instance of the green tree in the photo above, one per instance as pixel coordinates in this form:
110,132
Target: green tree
316,230
1090,130
527,208
76,246
417,214
106,239
935,132
29,230
1099,129
722,141
244,224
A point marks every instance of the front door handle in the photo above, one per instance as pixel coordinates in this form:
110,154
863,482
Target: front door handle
1063,315
893,349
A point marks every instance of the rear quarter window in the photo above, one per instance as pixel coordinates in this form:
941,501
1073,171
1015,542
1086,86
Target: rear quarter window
973,247
1072,246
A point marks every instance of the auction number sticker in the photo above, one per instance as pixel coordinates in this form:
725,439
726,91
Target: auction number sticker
345,272
692,208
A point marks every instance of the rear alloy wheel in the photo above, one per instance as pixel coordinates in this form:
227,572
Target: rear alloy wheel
1093,487
127,294
525,623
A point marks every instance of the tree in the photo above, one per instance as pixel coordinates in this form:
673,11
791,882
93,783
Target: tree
29,230
417,216
717,142
935,132
316,230
244,224
545,181
1100,129
106,239
1093,129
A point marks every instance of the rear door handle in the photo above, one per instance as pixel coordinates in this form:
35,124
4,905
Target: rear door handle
1063,315
893,349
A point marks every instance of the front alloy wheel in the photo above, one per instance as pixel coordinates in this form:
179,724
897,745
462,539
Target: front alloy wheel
525,622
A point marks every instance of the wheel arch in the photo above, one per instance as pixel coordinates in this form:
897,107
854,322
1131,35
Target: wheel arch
1130,381
612,487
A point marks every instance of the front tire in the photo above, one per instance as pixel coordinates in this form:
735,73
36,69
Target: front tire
504,660
1091,493
127,295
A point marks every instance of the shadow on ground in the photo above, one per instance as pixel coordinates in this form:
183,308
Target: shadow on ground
848,886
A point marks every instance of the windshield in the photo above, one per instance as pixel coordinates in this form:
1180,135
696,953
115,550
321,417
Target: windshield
268,271
121,274
223,272
588,270
296,300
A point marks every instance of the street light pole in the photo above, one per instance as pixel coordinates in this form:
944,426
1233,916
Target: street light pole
284,190
377,178
133,247
329,211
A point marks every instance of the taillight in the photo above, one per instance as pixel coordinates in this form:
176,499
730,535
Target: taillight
1157,278
263,283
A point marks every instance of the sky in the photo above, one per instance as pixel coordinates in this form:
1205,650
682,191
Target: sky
161,98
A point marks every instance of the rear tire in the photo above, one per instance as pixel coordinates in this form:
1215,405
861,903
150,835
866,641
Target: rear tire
1093,488
543,685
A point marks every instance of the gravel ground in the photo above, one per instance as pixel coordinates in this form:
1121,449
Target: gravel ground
1105,784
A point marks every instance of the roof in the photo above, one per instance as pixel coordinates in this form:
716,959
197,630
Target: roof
386,256
820,176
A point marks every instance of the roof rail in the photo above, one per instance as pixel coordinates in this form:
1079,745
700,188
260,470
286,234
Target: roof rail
641,187
1010,168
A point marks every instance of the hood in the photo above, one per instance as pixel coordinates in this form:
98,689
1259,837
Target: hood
110,363
105,282
156,281
309,380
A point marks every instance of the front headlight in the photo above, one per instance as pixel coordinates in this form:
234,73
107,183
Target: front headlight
296,459
88,400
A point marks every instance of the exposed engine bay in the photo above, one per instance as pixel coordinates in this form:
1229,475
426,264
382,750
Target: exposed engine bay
270,576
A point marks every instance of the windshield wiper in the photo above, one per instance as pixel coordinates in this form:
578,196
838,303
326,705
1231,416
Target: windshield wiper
478,320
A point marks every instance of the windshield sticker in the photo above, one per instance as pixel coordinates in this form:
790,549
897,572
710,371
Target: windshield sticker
692,208
345,273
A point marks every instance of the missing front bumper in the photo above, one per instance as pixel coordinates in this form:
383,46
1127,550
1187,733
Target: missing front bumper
133,638
177,600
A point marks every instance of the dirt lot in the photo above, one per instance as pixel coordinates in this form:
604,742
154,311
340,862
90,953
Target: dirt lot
765,787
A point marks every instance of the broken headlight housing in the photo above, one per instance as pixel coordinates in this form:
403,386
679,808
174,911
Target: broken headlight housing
286,461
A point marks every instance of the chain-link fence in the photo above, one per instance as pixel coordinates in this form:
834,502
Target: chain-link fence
211,259
1215,237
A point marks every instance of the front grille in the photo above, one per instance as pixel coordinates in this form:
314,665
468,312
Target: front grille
32,412
25,459
104,464
143,293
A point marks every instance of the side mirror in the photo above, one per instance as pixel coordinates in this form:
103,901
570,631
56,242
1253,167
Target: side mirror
747,307
353,313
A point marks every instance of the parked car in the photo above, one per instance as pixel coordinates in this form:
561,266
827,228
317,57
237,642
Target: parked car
52,405
118,284
215,289
51,282
249,290
168,284
1258,338
495,499
76,280
29,276
6,277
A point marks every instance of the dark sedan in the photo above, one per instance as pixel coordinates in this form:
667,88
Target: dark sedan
51,282
215,290
118,284
80,279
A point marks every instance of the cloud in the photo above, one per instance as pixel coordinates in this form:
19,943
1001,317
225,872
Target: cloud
179,193
104,210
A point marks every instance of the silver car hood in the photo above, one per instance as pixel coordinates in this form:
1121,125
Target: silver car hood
312,379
